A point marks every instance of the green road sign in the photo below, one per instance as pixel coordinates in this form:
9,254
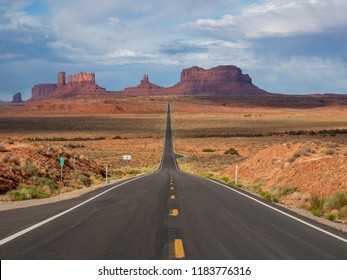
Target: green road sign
62,161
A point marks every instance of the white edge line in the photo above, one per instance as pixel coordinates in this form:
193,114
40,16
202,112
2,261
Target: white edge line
24,231
280,211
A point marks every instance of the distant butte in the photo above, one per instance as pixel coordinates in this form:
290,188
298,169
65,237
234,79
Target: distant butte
81,83
144,88
222,80
17,98
225,80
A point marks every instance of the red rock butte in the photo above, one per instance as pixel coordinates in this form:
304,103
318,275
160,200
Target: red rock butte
225,80
81,83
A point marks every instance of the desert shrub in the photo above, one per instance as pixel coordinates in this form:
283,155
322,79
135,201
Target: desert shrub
268,196
286,190
9,141
132,171
225,179
330,216
294,156
231,151
25,192
14,160
305,150
6,158
29,168
316,205
208,150
330,151
81,178
74,146
343,213
45,182
2,149
39,150
337,201
15,169
330,145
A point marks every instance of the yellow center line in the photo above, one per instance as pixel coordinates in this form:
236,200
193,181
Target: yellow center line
172,188
174,212
179,250
172,196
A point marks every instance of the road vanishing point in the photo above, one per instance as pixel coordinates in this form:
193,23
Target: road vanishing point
168,214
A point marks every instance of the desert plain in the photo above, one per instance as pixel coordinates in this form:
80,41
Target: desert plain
293,155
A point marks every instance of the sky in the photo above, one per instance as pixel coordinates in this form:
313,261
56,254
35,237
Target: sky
294,47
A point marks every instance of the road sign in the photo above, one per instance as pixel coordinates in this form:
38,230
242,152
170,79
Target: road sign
127,157
62,161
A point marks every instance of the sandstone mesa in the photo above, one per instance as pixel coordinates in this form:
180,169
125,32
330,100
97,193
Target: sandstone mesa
225,80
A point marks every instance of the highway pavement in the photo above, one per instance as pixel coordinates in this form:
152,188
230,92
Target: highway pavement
168,214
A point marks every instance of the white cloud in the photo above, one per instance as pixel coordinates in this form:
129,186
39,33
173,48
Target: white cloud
280,19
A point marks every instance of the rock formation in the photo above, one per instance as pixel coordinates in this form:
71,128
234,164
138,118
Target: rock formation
221,80
81,78
144,88
17,98
42,91
81,83
61,80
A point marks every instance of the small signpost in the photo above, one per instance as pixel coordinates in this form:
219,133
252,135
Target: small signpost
62,162
106,173
236,174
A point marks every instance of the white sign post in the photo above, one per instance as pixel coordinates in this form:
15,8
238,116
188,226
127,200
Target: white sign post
106,173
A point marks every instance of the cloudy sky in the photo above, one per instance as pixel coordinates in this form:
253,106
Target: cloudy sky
286,46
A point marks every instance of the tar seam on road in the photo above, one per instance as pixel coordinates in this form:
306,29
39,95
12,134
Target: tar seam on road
24,231
282,212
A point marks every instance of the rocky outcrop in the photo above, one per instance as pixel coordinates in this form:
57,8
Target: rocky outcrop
61,80
81,78
42,91
221,80
144,88
81,83
17,98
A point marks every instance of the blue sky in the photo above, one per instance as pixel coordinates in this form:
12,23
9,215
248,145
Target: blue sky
286,46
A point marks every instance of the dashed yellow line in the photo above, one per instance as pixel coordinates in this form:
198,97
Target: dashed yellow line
179,249
172,196
174,212
172,188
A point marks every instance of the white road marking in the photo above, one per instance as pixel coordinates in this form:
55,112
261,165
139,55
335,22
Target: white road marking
24,231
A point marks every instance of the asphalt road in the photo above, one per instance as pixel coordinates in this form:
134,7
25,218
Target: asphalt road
165,215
